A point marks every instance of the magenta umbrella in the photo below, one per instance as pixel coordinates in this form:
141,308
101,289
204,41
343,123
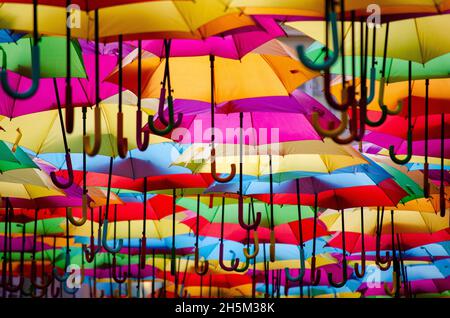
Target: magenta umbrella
233,45
83,89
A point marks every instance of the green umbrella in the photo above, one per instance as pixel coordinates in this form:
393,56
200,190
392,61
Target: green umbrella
283,213
11,160
396,69
17,57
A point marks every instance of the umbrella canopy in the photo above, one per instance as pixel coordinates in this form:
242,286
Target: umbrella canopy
41,132
255,75
419,39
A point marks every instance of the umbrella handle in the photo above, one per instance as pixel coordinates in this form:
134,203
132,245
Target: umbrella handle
272,246
35,75
16,142
426,183
395,281
161,116
396,111
117,247
68,183
330,132
331,58
141,141
33,281
344,276
298,278
83,219
173,261
409,153
348,94
92,151
122,143
256,247
243,269
170,125
89,253
73,291
114,272
69,110
65,276
242,223
55,292
214,170
202,269
315,273
379,121
234,265
143,251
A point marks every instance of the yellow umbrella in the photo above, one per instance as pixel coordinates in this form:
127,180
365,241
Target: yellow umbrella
393,92
41,132
27,176
255,75
309,156
418,39
27,191
314,8
150,18
404,221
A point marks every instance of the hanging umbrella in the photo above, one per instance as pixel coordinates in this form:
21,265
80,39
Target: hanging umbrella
49,140
13,157
185,22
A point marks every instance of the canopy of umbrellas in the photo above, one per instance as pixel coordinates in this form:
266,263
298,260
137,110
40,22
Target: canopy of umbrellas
177,149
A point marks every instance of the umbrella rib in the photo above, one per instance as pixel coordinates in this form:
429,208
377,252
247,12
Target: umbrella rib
418,41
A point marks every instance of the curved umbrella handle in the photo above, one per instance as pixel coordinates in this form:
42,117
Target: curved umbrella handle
141,141
214,170
333,131
255,248
344,276
83,219
395,282
122,143
315,273
242,223
379,121
33,281
408,157
334,55
92,151
55,292
73,291
243,269
117,247
272,246
16,142
358,273
348,94
68,183
171,124
143,251
298,278
89,253
396,111
35,75
201,270
234,265
161,116
66,275
114,272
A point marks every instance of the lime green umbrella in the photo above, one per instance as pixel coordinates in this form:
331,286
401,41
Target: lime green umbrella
396,69
17,57
283,213
11,160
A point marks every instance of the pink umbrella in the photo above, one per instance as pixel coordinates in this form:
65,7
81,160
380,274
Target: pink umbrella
83,89
233,45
